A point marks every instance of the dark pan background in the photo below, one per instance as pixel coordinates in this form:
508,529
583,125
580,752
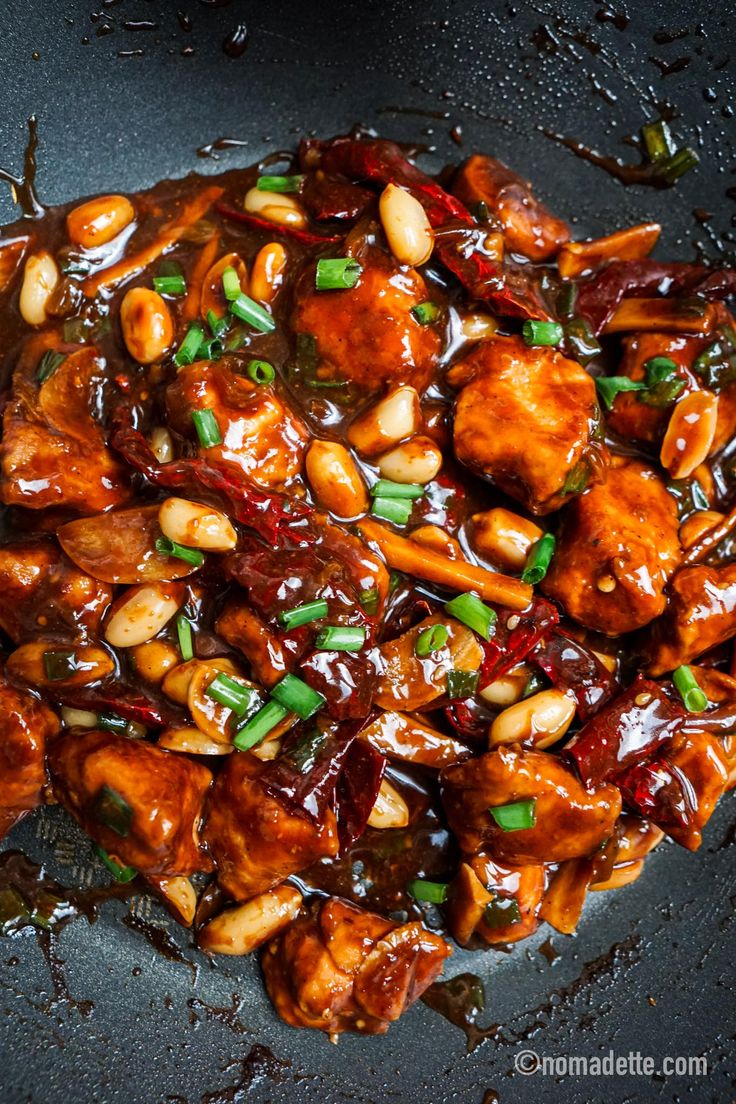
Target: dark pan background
651,969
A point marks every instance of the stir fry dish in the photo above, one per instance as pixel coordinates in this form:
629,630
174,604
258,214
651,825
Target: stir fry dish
367,575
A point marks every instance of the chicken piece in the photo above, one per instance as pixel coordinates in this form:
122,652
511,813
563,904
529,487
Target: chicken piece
408,681
570,821
53,451
632,416
339,969
525,419
496,902
367,335
528,227
617,546
253,838
41,590
25,726
260,435
140,803
700,615
243,629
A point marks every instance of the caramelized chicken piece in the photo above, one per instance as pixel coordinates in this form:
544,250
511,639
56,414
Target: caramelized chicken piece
41,591
700,615
496,902
253,838
570,821
25,726
633,415
367,334
342,969
259,433
617,547
140,803
53,451
528,227
409,681
242,628
525,419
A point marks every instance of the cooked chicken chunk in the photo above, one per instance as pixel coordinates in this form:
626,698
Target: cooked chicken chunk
140,803
53,451
259,433
617,547
701,614
253,838
367,334
525,419
497,902
569,821
25,726
342,969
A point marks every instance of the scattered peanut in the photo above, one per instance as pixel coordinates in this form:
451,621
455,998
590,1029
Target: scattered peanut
213,294
154,659
690,433
406,226
282,209
416,461
191,741
148,330
239,930
390,810
196,526
335,480
537,721
141,613
504,537
267,274
99,220
384,425
40,278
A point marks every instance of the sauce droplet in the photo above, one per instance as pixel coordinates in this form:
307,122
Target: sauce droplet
236,42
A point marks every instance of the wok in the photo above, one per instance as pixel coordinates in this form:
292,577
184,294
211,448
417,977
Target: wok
120,108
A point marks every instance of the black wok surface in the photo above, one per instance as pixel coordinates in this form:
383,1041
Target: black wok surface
651,968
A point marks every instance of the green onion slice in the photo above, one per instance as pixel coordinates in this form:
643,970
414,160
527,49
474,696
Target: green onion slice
122,874
539,559
581,340
260,371
210,349
256,728
658,369
681,162
184,633
170,285
385,488
694,699
542,333
168,547
231,694
112,722
501,911
434,893
658,140
187,351
340,638
247,310
302,615
283,184
469,609
369,600
516,816
426,313
397,510
112,810
297,697
218,326
461,684
48,364
231,283
335,273
207,428
610,386
59,664
431,639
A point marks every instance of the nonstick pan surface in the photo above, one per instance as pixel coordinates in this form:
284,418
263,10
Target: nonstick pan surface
117,1022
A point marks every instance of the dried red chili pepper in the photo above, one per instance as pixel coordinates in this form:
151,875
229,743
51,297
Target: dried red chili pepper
509,646
306,237
126,703
573,668
357,790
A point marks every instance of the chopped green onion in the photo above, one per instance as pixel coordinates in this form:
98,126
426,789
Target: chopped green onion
207,428
302,615
716,365
658,140
48,364
385,488
426,313
184,633
77,330
112,722
297,697
218,326
210,349
281,184
397,510
539,559
681,162
566,300
369,600
577,478
170,285
699,497
610,386
431,639
335,273
461,684
659,369
542,333
303,754
469,609
340,638
694,699
480,211
516,816
236,339
231,694
501,911
435,893
247,310
112,810
122,874
662,394
581,340
58,665
256,728
534,684
231,283
166,547
170,268
260,371
187,351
